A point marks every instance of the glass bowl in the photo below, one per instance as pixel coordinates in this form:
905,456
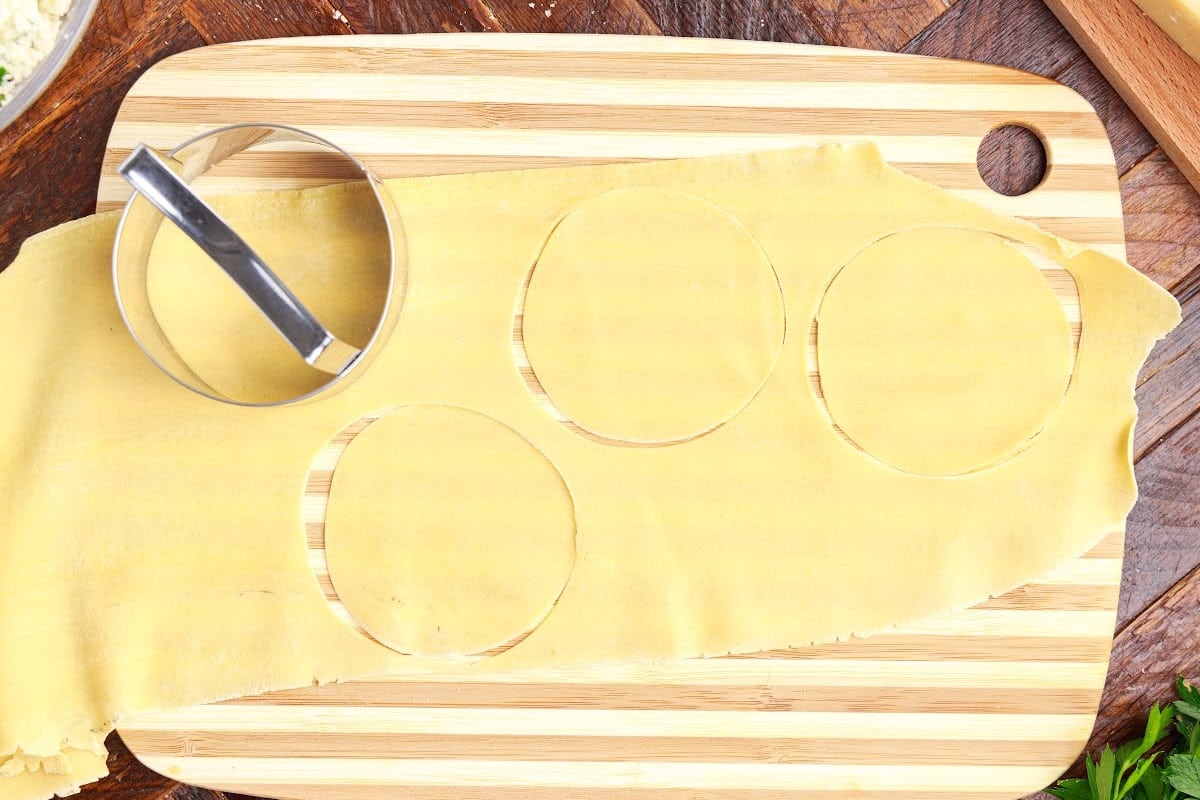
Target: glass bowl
74,24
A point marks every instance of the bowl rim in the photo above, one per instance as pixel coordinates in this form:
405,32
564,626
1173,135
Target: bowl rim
75,23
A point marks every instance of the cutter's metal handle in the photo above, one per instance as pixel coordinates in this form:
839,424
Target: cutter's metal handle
151,175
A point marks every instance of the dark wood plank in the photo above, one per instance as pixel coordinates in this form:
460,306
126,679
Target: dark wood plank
1160,644
1162,220
763,20
446,16
872,24
239,20
235,20
1164,527
1012,33
1169,388
573,16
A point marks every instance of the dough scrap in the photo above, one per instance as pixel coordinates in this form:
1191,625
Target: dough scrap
942,350
407,564
641,336
61,774
153,551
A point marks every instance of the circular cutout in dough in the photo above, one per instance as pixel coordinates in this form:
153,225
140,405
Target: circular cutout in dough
942,350
652,316
447,533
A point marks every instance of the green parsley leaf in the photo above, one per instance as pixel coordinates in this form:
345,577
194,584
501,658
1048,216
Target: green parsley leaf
1183,773
1187,692
1188,719
1156,727
1073,789
1135,778
1152,786
1104,777
1131,751
1189,736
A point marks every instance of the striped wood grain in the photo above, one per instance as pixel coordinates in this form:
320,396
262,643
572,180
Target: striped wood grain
990,702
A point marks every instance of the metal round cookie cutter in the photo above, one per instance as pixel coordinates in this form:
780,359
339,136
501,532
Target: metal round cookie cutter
163,191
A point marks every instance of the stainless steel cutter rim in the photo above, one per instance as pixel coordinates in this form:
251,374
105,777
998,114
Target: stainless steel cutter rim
391,304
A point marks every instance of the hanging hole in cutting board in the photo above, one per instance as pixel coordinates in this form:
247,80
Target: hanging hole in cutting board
460,550
939,365
650,317
1012,160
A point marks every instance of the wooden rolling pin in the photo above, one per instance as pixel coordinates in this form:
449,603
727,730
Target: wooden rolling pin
1154,74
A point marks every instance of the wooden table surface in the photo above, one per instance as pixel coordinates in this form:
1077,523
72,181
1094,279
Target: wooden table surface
50,163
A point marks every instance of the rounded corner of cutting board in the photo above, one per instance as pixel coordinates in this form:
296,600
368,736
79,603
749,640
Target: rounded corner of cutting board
940,699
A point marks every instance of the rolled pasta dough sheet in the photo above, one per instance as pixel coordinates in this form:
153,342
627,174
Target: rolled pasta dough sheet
153,549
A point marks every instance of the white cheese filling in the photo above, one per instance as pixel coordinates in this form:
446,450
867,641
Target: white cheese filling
28,29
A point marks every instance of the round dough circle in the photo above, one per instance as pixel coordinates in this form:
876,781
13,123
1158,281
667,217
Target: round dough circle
447,533
942,350
652,316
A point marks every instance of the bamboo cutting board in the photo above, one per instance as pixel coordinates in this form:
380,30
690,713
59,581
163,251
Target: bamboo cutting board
988,703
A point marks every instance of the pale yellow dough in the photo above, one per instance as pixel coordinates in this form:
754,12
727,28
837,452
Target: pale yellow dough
1180,19
414,569
942,350
639,334
153,553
